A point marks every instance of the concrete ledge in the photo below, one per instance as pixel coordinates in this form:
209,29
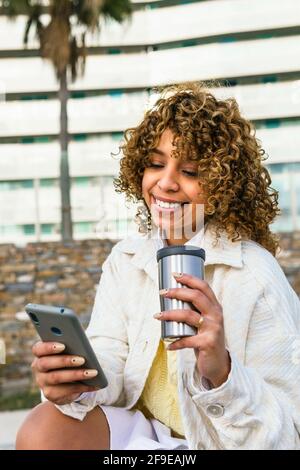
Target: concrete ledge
10,423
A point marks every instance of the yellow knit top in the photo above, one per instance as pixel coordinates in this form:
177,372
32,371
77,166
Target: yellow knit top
159,398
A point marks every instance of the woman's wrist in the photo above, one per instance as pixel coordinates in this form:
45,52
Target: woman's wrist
222,377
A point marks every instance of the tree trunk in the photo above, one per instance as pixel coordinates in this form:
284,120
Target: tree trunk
66,215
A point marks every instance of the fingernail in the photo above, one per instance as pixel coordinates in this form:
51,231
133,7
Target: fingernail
177,274
91,373
58,347
78,361
157,315
163,291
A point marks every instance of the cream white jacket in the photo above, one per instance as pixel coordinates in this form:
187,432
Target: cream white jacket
258,407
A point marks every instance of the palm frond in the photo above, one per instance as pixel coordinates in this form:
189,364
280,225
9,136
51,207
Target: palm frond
34,20
59,40
13,8
118,10
55,43
87,12
78,54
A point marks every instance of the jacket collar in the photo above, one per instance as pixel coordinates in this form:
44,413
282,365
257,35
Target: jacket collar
144,249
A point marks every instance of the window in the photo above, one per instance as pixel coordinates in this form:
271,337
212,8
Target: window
41,140
297,196
227,39
286,180
231,82
28,229
290,122
276,168
189,43
117,136
34,97
264,36
13,230
79,137
78,94
48,229
114,51
272,123
83,227
10,230
81,181
27,140
269,79
115,93
13,185
48,182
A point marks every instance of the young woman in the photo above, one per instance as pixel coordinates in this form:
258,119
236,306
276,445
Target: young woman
235,384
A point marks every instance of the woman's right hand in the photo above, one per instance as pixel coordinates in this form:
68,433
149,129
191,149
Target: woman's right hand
53,375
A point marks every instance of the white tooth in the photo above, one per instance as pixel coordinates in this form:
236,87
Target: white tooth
167,205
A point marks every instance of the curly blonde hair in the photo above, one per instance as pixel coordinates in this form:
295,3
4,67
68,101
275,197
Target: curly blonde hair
212,132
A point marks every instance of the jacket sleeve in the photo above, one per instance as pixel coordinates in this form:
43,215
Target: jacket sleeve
258,407
108,337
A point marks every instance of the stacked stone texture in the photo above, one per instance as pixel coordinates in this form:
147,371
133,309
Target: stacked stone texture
66,274
45,273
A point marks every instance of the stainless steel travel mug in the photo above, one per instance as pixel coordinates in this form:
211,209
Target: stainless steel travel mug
186,259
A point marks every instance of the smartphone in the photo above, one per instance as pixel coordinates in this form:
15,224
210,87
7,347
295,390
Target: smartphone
60,324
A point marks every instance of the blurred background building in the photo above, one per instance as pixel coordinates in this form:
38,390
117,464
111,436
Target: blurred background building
251,46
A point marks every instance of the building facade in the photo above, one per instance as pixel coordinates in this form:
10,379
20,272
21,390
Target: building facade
252,47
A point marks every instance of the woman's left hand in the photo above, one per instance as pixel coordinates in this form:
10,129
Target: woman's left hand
213,360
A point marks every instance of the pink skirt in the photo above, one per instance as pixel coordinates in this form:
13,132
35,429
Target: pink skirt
130,430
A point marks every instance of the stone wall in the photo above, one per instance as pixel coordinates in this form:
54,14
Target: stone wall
289,258
46,273
57,274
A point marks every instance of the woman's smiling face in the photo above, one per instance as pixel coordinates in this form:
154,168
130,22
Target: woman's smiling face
172,193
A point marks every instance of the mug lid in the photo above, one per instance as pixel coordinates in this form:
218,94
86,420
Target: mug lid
180,250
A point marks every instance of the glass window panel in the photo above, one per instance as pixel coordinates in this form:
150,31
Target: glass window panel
117,136
227,39
115,93
48,229
269,79
82,181
29,229
27,140
286,180
114,51
28,184
276,168
189,43
83,227
296,188
42,139
78,94
80,137
10,230
18,184
272,123
290,122
48,182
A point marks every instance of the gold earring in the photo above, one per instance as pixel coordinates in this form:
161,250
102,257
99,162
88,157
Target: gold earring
143,219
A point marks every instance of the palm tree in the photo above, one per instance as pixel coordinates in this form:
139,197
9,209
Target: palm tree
62,41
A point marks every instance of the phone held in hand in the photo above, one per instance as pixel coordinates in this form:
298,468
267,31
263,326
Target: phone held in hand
61,325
